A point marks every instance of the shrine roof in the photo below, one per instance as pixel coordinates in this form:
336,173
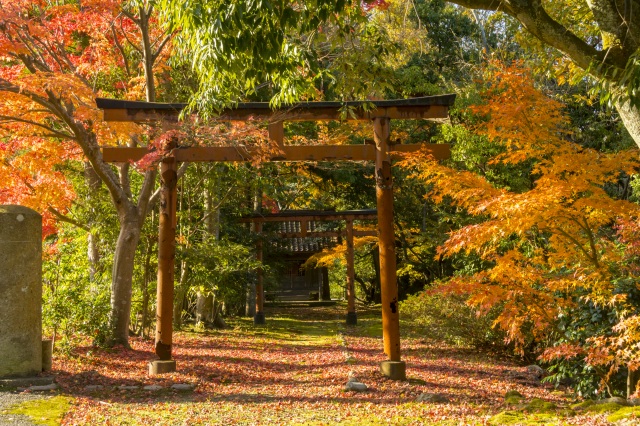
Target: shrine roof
311,215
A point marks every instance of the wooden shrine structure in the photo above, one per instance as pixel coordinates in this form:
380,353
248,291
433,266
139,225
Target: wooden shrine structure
379,113
306,218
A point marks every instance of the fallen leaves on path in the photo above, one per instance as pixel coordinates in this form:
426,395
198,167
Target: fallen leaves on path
292,371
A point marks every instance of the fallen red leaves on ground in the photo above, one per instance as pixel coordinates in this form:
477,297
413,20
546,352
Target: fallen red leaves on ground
293,371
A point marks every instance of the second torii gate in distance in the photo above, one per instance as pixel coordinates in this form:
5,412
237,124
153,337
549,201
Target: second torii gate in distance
435,108
305,218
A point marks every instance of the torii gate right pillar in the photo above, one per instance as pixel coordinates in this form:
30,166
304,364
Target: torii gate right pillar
393,368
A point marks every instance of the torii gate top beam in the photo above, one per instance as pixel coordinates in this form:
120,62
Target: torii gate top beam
434,108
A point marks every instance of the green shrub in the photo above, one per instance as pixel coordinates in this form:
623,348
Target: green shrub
448,318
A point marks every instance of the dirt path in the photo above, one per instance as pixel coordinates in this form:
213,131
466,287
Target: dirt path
294,371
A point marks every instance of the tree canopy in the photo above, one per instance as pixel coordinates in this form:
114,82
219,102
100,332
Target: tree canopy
240,46
601,37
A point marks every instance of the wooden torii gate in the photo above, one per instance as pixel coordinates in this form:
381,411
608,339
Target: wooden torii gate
305,218
434,108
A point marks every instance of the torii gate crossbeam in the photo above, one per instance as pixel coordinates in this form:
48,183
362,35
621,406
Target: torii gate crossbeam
434,108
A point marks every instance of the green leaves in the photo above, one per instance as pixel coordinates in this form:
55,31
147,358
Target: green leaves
240,46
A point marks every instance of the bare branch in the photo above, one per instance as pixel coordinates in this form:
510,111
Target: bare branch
121,50
54,133
63,218
162,45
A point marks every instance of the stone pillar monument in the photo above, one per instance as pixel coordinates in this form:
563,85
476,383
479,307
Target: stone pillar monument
20,292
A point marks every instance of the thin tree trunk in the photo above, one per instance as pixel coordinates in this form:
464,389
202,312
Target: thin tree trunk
181,292
93,254
326,287
131,215
145,287
483,34
376,296
631,382
121,284
250,306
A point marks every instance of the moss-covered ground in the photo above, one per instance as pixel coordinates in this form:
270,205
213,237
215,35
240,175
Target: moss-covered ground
46,411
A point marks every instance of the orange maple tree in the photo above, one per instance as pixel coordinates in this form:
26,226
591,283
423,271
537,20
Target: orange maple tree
56,57
552,246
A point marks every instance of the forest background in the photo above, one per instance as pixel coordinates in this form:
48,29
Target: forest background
526,242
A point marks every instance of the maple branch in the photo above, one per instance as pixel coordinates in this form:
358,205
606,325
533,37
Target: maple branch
63,218
592,242
69,63
132,44
45,46
145,197
131,16
162,45
54,133
36,57
578,244
48,104
121,50
85,139
124,33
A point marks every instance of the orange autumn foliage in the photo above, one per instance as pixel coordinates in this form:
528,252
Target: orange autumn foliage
547,247
51,56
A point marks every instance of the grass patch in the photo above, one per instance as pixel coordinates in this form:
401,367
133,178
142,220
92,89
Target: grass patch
513,400
370,328
582,405
609,407
49,411
284,328
538,405
625,413
521,418
513,397
535,412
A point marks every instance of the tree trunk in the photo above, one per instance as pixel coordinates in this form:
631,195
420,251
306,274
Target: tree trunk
121,285
181,292
93,254
630,116
375,296
204,307
250,306
326,287
145,288
631,382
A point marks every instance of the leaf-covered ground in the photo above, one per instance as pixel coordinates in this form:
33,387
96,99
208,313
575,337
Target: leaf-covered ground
293,371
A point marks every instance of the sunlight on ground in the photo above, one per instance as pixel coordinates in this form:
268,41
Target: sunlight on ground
293,370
